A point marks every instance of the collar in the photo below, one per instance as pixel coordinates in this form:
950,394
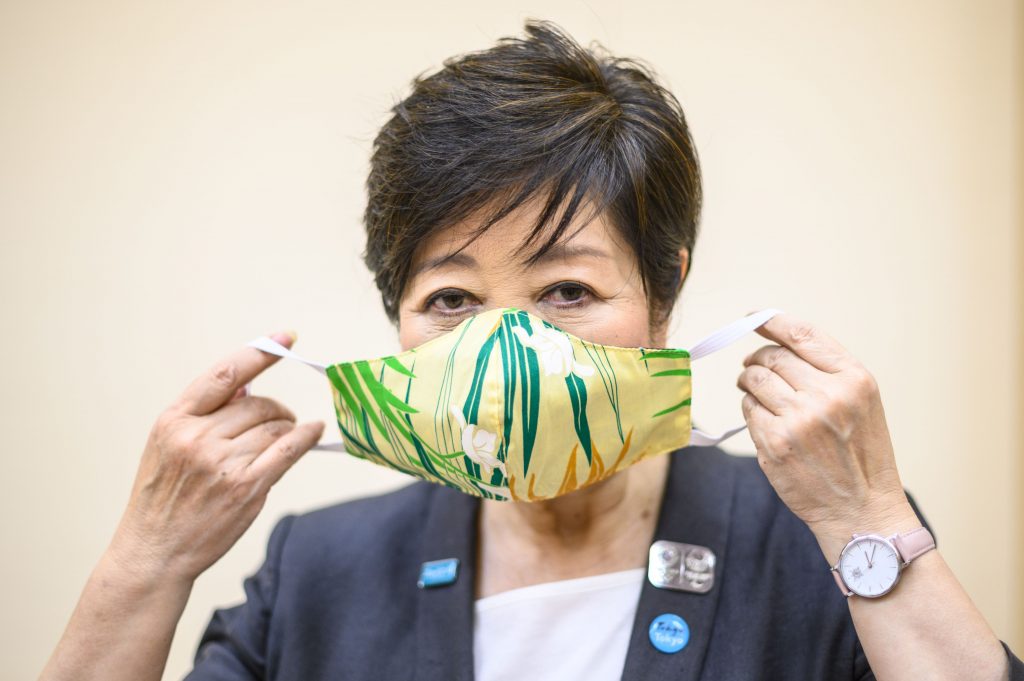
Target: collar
696,509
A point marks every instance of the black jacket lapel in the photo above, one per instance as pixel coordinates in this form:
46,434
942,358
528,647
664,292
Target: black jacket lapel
696,509
444,614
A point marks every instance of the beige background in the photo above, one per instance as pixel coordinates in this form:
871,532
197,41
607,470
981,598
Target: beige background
178,178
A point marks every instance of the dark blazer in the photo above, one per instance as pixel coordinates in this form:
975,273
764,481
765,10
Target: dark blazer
337,597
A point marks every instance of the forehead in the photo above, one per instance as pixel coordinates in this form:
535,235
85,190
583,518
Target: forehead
505,242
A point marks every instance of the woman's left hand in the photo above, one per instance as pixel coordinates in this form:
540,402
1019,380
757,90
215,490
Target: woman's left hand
816,419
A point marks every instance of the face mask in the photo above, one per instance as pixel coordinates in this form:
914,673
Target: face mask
507,406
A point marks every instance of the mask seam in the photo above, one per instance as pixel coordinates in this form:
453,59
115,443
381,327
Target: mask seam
493,410
498,431
478,318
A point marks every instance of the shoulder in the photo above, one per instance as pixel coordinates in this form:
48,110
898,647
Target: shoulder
400,511
737,481
759,521
355,536
756,505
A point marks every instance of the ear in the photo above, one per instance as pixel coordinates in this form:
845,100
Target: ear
684,264
658,332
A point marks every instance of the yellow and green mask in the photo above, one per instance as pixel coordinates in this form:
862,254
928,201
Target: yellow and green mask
508,406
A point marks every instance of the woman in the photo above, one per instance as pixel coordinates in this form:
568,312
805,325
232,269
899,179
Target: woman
538,175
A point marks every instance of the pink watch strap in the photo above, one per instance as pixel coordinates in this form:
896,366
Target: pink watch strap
841,584
909,545
912,544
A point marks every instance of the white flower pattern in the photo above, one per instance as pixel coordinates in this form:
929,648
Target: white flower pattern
479,444
554,350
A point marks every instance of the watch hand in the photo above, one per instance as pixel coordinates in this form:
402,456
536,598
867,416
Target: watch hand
867,559
872,555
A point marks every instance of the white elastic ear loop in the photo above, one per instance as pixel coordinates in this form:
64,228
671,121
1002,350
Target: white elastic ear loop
267,344
725,336
729,334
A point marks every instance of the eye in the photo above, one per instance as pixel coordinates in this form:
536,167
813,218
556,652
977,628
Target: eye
569,294
449,302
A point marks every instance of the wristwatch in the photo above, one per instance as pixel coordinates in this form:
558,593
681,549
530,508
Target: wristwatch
870,565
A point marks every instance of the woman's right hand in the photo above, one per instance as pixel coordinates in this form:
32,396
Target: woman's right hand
210,459
209,462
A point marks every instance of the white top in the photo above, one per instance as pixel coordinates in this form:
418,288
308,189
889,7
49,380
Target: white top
571,629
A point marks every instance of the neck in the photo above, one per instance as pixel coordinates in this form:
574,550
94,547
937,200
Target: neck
605,527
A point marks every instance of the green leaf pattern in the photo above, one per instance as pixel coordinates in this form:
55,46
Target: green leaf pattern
489,432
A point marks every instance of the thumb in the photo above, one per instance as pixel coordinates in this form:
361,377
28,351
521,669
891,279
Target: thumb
759,330
286,338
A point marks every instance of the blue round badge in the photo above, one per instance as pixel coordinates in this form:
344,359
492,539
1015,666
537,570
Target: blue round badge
669,633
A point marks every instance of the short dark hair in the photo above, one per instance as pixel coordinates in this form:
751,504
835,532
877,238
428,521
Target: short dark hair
543,117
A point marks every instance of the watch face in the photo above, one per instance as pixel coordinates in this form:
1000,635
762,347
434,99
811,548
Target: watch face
870,566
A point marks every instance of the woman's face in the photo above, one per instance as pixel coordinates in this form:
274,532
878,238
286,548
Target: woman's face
588,285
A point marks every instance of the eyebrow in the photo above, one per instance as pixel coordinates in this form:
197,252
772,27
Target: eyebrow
556,252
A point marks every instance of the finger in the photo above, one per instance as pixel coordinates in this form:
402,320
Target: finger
806,341
783,361
285,451
759,422
218,384
768,387
244,391
255,441
758,418
243,413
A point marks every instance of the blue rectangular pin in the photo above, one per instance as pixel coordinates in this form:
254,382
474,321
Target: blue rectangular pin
438,573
